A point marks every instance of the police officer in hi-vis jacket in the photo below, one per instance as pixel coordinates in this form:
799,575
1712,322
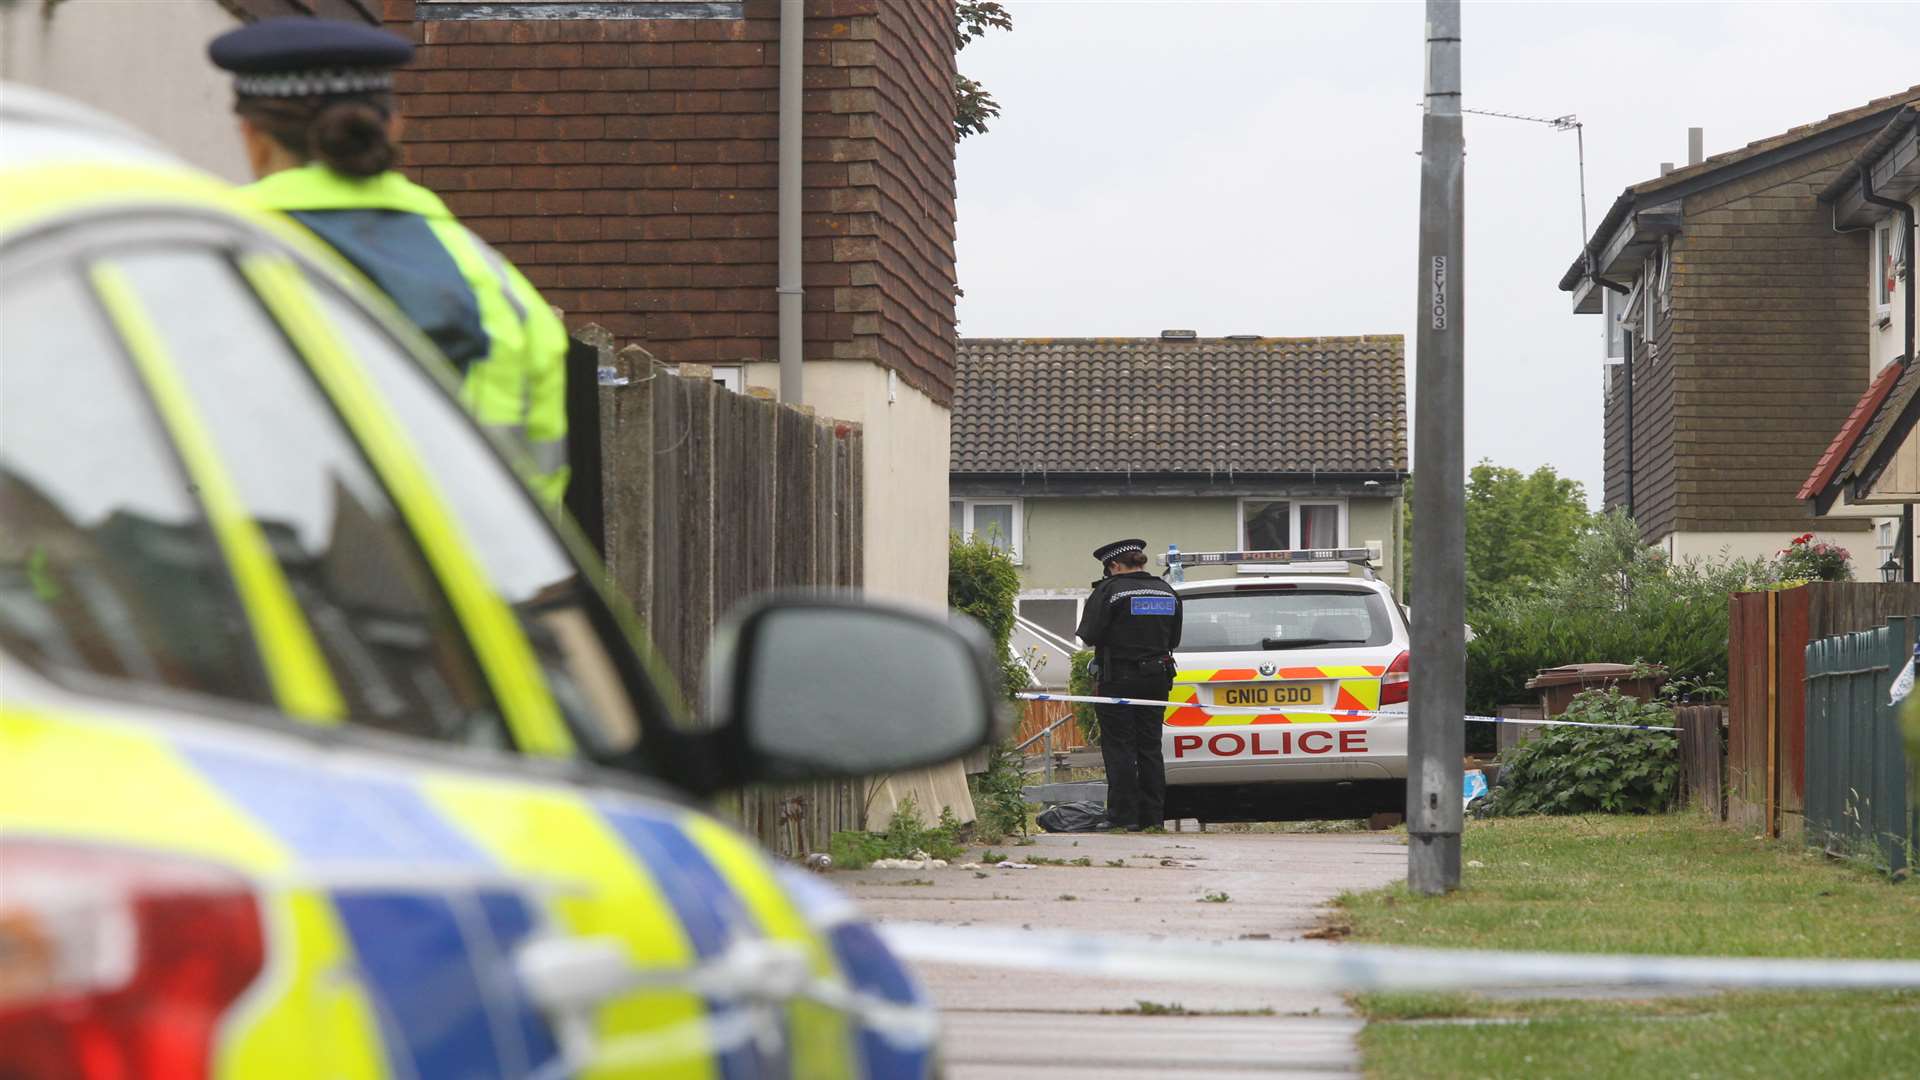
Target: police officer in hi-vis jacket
1132,620
315,101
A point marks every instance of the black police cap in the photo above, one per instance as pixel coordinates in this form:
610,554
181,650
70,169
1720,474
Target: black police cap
295,56
1106,553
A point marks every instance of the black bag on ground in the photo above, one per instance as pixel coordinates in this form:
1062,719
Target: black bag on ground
1073,817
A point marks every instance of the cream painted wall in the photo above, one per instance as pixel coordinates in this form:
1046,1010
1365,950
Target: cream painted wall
143,61
1059,534
1852,535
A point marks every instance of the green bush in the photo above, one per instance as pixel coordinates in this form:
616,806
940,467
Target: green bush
998,796
982,582
1080,684
1622,601
1572,770
906,834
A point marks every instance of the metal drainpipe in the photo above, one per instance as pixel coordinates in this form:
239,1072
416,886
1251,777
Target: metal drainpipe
793,22
1906,357
1627,366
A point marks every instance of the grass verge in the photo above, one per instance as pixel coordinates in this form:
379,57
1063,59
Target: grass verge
1673,884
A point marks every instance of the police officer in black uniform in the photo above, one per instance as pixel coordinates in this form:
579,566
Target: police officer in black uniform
1133,622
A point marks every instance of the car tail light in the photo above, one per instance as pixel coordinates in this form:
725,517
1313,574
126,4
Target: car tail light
118,964
1393,685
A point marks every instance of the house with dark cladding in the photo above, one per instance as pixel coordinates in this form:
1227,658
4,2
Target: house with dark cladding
1062,444
1736,334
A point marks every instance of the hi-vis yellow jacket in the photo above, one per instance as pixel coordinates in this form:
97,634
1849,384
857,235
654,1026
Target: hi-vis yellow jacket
508,345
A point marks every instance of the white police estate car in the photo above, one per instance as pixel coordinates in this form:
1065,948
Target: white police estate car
1314,649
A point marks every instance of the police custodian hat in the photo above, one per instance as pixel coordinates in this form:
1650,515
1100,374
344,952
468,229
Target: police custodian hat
1106,553
296,56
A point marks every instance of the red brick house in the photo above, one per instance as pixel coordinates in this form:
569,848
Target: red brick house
624,156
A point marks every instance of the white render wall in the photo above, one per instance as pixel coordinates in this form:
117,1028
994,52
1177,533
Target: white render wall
1766,545
142,61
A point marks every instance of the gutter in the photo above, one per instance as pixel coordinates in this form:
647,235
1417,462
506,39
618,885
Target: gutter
791,293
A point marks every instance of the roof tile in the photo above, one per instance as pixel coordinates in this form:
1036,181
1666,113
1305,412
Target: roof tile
1120,405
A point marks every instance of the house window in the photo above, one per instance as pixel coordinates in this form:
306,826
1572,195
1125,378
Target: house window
1885,267
998,521
1884,543
1283,524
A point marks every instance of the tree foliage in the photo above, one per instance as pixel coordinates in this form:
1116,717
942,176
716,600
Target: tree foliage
1521,528
1617,600
974,105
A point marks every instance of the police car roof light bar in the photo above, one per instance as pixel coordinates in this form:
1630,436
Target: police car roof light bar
1297,555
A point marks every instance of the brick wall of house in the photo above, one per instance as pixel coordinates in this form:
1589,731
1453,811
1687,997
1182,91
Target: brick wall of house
628,166
1760,357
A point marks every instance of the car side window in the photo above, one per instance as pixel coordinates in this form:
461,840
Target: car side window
107,566
512,540
389,636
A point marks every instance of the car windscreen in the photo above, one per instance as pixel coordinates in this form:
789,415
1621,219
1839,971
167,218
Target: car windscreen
1283,618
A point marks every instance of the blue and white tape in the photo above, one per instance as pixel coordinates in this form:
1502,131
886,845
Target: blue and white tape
1242,710
1348,968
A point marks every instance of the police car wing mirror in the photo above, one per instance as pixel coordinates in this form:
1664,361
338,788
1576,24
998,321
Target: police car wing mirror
816,686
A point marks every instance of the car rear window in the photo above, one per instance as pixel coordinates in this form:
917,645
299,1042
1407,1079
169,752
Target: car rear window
1283,619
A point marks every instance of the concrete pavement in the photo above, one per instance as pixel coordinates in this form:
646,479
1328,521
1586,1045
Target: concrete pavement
1060,1027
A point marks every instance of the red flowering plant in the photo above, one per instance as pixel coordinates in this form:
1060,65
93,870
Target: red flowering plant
1807,559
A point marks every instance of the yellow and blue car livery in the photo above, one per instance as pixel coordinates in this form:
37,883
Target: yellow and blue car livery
194,886
393,896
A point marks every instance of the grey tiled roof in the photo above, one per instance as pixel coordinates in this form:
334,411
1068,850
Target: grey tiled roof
1117,405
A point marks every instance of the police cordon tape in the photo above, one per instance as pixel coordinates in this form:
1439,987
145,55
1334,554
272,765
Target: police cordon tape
1346,968
1338,714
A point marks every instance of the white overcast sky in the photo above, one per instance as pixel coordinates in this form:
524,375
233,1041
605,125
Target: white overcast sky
1250,167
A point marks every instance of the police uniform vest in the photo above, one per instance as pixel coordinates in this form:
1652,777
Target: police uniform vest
503,338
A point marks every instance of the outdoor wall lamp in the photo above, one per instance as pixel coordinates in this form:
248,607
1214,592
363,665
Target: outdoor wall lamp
1890,570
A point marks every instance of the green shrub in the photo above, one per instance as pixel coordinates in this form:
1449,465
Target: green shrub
999,800
982,582
1622,601
1080,684
1572,770
906,834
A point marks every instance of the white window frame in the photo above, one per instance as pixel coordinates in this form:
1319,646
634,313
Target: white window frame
1666,274
1294,503
1613,307
1017,541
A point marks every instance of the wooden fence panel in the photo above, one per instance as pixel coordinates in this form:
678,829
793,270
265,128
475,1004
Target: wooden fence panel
795,501
710,498
1747,680
1702,757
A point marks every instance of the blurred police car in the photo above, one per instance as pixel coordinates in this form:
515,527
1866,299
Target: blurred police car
1313,650
321,755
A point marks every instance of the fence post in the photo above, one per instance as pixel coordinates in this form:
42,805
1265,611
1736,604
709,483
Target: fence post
1890,818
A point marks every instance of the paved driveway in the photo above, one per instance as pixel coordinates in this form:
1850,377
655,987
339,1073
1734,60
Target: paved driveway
1020,1024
